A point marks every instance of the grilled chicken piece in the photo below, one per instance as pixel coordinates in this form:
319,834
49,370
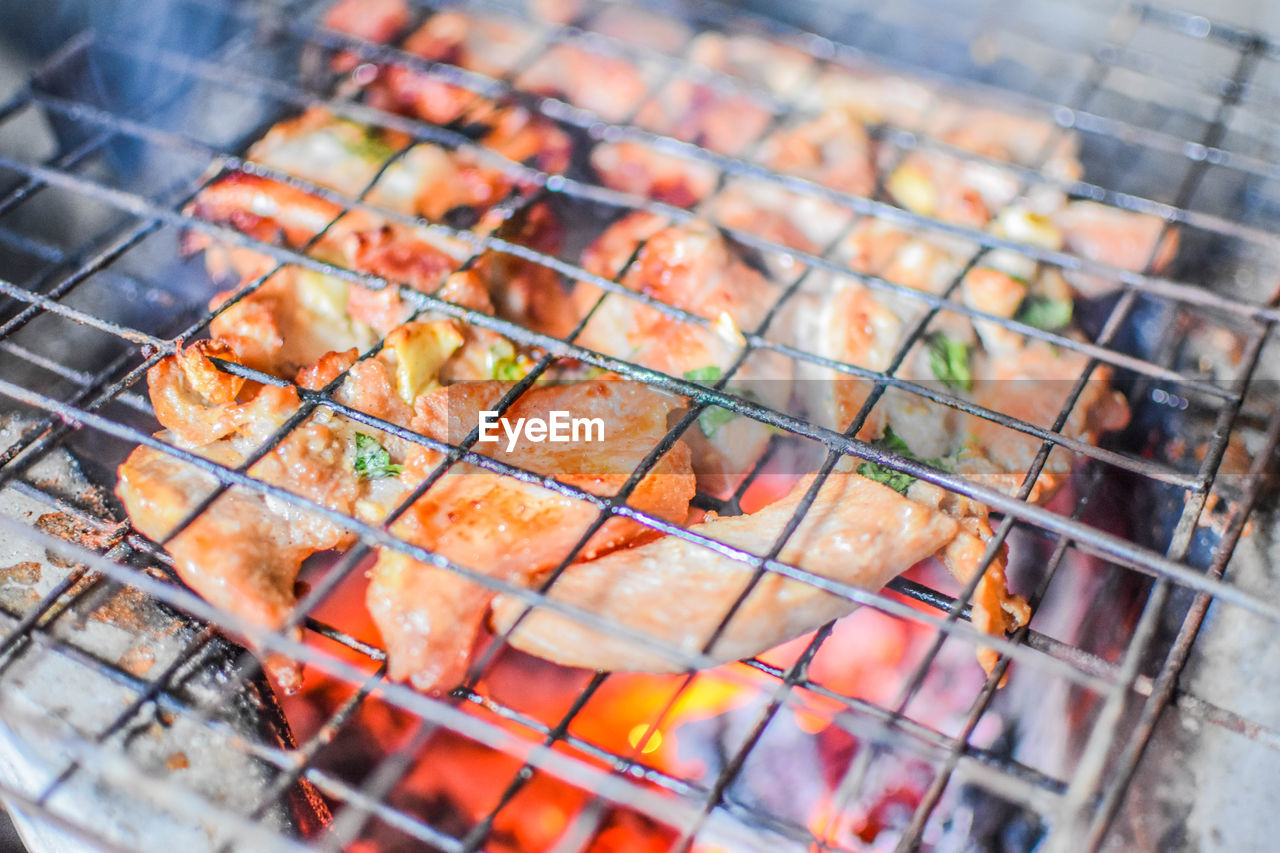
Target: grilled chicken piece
630,167
970,192
694,268
995,610
676,592
289,217
244,551
200,403
931,180
1007,137
777,68
714,116
1121,238
345,157
832,149
486,44
242,554
558,11
328,150
873,96
769,211
427,180
298,315
697,113
508,529
494,46
377,21
851,326
845,319
263,209
949,188
1004,371
608,86
652,28
1033,389
523,137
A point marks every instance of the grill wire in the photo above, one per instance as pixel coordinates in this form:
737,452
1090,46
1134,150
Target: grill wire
106,400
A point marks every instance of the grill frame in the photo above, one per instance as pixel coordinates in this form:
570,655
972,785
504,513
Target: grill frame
1086,803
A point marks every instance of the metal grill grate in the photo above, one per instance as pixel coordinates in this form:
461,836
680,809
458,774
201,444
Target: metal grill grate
1210,131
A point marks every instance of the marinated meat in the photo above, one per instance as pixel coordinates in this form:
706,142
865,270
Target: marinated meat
425,372
487,45
509,529
631,167
1131,241
849,321
676,592
297,315
691,267
609,86
243,552
778,69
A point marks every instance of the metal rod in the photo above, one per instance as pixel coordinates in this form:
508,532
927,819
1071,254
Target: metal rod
1072,532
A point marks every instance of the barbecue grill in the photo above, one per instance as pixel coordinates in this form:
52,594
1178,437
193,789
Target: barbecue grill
130,722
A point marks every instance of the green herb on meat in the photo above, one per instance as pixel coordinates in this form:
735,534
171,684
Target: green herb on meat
949,361
715,417
372,460
508,369
883,474
709,373
1045,313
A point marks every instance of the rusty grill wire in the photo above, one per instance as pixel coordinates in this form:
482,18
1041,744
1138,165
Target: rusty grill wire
107,400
